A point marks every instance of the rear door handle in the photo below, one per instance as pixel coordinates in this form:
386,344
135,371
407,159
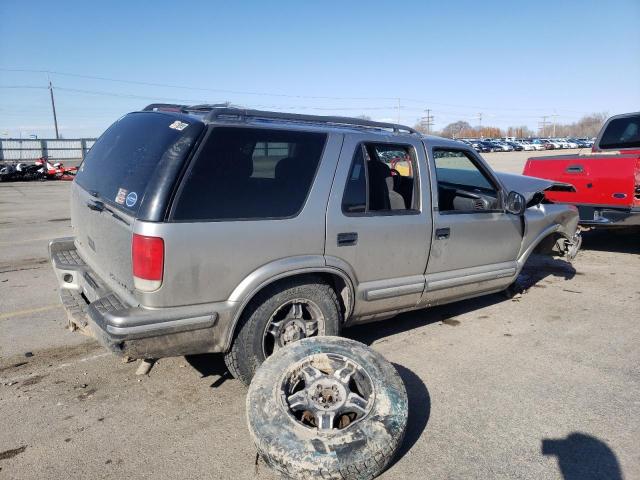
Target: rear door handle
443,233
574,169
347,238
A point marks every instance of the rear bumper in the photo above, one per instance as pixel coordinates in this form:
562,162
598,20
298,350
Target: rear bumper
594,216
128,330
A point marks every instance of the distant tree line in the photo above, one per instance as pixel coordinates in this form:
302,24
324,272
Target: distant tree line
587,126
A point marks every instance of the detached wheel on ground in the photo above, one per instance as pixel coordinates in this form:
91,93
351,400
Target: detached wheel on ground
289,311
327,407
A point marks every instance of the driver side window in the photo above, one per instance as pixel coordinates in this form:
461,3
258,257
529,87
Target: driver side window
462,186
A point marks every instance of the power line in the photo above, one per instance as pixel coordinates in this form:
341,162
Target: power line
268,94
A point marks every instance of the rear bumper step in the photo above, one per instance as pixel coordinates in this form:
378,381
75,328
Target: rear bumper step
595,216
127,330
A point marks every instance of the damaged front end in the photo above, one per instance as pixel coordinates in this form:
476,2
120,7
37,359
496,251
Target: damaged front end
548,228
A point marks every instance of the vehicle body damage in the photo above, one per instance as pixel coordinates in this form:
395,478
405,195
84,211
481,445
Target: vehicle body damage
219,225
544,221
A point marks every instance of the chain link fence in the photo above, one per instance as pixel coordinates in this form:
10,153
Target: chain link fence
13,150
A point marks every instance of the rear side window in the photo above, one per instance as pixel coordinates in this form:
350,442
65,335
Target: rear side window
621,133
120,164
382,180
250,173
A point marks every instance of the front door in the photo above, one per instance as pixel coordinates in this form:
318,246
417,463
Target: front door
378,222
475,242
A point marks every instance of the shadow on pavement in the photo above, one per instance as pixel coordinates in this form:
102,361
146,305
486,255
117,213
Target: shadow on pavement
583,457
612,240
210,365
419,409
538,267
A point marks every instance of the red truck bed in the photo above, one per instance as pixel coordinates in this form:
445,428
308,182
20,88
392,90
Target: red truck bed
607,180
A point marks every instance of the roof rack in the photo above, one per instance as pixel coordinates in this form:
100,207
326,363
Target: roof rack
164,107
219,111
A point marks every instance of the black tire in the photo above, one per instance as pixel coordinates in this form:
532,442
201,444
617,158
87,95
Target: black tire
361,450
246,353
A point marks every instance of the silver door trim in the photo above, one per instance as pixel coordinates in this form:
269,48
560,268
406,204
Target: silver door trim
464,276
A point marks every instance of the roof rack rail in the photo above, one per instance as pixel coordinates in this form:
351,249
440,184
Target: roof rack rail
164,107
222,110
216,112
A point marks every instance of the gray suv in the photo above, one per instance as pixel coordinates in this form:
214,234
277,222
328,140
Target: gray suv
206,229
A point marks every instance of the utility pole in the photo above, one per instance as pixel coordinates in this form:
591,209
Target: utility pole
398,111
53,107
427,121
554,124
542,126
480,124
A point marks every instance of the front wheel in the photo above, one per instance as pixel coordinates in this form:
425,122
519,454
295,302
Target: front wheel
289,311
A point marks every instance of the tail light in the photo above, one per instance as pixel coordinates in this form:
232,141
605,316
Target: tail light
636,192
147,259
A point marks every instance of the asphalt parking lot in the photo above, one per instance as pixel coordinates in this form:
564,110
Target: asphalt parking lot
544,385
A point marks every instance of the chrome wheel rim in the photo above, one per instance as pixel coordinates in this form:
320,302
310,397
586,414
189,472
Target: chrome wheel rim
292,321
326,392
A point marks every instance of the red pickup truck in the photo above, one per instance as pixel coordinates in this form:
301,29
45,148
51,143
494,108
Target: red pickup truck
606,179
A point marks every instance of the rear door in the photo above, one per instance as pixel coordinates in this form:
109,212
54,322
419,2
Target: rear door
475,242
379,222
127,175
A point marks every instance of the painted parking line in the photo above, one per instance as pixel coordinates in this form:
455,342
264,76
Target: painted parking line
29,311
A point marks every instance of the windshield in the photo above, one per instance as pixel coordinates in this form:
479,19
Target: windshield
120,164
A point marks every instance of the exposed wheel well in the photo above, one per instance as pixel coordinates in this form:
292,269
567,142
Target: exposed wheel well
552,244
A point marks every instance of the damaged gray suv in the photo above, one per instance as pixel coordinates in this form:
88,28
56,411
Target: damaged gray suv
206,229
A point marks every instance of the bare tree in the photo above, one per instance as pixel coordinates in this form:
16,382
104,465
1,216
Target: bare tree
457,129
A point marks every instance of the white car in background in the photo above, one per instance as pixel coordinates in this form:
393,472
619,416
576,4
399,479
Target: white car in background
527,146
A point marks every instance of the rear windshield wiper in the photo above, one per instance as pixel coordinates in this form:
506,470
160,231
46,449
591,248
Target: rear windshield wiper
99,206
96,206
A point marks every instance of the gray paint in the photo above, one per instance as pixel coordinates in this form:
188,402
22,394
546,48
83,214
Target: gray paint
213,269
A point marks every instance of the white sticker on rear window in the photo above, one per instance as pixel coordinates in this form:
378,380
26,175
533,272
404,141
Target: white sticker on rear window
122,193
178,125
132,198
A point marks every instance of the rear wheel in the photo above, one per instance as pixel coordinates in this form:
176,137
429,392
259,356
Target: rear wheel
282,314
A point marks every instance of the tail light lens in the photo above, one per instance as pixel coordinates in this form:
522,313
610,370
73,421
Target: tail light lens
147,258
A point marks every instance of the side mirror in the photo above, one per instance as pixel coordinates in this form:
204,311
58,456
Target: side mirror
516,203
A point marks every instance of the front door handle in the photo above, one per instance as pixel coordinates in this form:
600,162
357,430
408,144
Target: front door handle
347,238
443,233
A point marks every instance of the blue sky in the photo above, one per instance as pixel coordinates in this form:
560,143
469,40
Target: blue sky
512,61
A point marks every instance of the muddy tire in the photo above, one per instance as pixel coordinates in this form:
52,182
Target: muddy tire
329,408
286,312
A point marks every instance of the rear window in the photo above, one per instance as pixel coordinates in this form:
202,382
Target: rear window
249,173
120,164
621,133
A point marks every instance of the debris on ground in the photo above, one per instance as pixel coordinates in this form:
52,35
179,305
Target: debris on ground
145,366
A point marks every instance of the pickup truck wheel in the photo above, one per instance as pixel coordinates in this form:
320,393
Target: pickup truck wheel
329,408
285,313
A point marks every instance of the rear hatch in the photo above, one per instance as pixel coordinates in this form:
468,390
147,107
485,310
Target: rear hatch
128,175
